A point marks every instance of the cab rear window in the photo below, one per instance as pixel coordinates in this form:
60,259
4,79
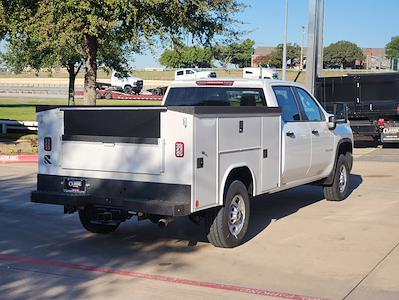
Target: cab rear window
215,96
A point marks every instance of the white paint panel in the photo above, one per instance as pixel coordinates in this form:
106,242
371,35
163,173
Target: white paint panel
128,158
230,138
271,133
206,189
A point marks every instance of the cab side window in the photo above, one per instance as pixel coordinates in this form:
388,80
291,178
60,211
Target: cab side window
287,103
310,108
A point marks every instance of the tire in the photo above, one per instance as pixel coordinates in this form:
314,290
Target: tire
339,189
108,96
85,217
128,89
226,226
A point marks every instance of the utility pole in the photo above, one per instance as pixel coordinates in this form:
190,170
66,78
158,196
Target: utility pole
302,47
314,56
284,71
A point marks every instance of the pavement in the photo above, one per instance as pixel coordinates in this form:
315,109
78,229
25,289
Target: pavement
299,246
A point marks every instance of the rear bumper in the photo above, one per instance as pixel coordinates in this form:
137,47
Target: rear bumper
145,197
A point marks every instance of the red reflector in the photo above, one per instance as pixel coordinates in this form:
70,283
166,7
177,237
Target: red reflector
215,82
197,203
179,149
381,122
47,144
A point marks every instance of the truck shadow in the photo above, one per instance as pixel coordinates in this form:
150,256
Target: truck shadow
268,208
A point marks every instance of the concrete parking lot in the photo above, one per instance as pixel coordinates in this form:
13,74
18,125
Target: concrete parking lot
299,247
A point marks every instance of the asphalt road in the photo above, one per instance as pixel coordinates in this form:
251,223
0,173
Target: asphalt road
300,247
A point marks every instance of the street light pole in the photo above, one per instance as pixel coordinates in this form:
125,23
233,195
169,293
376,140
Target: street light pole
284,71
302,47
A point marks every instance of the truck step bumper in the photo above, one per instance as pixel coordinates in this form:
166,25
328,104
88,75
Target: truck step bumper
146,197
157,207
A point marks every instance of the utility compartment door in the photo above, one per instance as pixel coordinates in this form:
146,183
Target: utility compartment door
271,152
113,157
205,163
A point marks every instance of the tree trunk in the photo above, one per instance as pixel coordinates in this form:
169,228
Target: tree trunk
71,87
91,70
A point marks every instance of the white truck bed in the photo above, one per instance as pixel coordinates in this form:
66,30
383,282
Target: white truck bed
126,156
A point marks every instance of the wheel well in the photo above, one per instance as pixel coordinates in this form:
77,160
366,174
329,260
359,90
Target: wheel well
242,174
344,148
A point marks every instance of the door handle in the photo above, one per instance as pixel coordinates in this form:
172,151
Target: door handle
290,134
315,132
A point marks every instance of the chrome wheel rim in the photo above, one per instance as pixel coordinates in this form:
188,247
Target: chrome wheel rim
343,179
236,215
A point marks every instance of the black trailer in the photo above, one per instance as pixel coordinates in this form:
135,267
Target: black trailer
372,101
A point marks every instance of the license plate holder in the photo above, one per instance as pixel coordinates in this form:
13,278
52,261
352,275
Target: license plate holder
75,185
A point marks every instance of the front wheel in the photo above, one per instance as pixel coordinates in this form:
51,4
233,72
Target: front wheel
128,89
226,226
339,189
87,221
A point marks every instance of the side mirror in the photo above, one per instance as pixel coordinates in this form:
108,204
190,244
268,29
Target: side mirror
340,112
332,123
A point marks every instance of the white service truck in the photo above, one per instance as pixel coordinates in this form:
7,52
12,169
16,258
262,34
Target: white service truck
212,146
260,73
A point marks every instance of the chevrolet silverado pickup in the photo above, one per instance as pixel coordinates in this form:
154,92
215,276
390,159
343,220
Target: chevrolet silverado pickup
209,148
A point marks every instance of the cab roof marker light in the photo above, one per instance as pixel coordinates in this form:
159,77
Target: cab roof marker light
215,82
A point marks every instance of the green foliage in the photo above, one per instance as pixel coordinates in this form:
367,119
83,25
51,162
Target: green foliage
238,53
275,58
342,53
392,48
186,57
91,28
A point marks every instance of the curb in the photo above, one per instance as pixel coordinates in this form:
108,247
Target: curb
33,158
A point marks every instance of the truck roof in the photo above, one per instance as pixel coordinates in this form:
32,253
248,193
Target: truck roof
232,82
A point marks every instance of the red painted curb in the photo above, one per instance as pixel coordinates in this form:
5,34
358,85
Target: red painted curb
163,278
32,158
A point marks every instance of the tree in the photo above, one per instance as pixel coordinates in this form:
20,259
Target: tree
186,57
238,53
275,58
342,53
392,48
90,26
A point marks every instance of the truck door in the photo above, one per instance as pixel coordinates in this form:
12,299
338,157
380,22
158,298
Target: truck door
296,140
321,136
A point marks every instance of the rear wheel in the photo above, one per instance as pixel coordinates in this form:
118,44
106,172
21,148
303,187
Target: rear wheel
226,226
108,96
128,89
87,221
339,189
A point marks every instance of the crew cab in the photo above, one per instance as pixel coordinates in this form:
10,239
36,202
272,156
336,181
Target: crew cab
193,73
212,146
128,83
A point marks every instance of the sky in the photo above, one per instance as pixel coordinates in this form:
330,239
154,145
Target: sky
368,23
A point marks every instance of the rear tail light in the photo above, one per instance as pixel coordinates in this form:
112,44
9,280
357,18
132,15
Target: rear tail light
381,122
179,149
47,144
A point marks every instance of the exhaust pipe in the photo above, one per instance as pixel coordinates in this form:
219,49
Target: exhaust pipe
163,222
